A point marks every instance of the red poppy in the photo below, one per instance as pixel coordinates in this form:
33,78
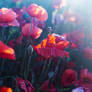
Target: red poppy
45,87
6,52
69,77
85,79
5,89
49,48
38,12
88,53
8,17
31,30
62,45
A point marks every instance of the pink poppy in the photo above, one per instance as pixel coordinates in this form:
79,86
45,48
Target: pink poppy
38,12
20,13
31,30
8,17
88,52
69,77
6,52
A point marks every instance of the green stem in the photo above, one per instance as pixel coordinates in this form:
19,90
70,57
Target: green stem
26,72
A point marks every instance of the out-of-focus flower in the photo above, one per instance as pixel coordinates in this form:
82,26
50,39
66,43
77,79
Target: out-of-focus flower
38,12
76,37
49,48
85,79
8,17
45,86
5,89
71,16
69,77
22,83
20,13
88,53
59,4
31,30
6,52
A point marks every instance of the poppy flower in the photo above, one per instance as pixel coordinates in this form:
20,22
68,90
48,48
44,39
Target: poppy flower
5,89
59,4
62,45
45,87
31,30
8,17
59,38
19,12
85,79
73,17
76,37
38,12
69,77
22,83
88,53
6,52
49,48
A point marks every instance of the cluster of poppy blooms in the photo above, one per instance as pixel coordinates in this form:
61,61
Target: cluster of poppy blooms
10,17
53,46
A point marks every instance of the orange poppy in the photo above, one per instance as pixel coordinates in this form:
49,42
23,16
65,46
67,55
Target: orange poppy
49,48
5,89
6,52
